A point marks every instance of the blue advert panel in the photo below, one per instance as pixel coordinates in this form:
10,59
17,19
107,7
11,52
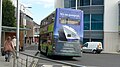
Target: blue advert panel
67,21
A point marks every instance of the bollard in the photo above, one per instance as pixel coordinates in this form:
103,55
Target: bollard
14,62
21,62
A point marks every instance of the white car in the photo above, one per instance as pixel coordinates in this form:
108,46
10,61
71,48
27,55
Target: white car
94,47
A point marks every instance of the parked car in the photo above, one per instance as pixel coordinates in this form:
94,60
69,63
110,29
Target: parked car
94,47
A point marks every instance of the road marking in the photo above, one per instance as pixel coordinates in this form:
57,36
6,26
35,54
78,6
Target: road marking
66,66
47,66
50,65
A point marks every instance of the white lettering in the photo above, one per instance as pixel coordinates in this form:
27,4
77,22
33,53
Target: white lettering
70,15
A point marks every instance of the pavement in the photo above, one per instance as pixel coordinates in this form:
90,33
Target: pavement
110,52
5,64
10,64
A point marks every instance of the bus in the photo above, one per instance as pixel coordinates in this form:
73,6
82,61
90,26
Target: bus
61,33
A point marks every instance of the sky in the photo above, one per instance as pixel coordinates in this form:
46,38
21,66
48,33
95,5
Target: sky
40,8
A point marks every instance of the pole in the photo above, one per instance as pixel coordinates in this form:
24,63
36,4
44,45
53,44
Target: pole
76,5
17,41
0,23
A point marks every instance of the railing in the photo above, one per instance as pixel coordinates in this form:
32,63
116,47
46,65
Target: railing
26,60
23,60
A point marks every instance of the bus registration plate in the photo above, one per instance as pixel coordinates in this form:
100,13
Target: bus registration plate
68,45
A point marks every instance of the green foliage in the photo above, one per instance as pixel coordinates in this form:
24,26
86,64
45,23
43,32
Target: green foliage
8,14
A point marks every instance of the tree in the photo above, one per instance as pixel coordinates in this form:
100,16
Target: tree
8,13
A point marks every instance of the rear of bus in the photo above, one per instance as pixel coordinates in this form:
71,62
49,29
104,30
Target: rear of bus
68,32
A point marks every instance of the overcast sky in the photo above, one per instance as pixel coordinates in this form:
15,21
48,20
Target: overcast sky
40,8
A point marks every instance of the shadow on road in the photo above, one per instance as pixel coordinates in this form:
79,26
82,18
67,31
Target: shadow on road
62,58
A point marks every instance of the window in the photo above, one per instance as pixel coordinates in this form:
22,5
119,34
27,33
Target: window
97,40
86,17
78,2
96,21
86,26
97,26
84,2
86,21
85,40
86,45
73,2
97,2
36,30
67,3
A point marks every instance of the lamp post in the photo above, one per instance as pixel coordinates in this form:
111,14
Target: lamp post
18,17
76,5
0,23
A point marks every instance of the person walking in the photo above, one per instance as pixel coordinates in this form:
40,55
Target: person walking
14,41
8,48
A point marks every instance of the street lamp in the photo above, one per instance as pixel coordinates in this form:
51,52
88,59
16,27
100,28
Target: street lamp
17,16
24,16
0,23
76,5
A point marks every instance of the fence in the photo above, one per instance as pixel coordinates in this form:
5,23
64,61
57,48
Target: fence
26,60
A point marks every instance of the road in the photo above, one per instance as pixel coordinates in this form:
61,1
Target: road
87,59
101,60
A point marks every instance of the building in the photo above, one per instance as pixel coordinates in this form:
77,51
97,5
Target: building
101,21
26,25
36,31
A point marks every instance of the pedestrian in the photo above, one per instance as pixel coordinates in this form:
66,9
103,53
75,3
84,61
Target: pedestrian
8,48
14,41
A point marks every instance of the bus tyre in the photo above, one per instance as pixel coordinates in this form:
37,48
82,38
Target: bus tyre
94,52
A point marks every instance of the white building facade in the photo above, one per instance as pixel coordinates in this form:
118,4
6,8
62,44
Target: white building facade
101,21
